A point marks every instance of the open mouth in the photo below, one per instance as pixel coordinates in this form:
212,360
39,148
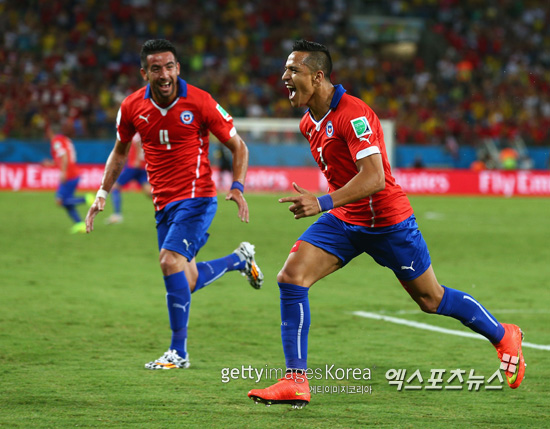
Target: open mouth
291,91
165,85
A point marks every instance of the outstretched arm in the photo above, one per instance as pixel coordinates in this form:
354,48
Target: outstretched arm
369,180
113,167
240,165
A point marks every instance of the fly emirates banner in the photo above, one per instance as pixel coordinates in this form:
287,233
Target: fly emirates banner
34,177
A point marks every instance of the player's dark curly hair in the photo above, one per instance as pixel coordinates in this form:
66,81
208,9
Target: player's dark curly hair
319,57
156,46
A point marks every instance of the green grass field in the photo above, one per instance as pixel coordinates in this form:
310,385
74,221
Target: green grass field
81,314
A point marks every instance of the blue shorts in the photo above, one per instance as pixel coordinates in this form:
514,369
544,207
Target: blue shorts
67,189
399,247
182,225
129,174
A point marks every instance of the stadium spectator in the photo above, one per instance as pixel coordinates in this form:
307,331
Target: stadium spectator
475,64
134,171
64,158
509,158
174,120
367,213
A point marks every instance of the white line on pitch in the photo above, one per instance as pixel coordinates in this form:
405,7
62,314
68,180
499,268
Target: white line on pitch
433,328
493,311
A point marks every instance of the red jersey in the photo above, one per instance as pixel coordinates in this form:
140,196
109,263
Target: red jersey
348,132
63,146
136,158
175,140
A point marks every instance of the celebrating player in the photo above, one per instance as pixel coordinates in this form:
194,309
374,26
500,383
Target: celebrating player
174,120
365,212
133,171
64,158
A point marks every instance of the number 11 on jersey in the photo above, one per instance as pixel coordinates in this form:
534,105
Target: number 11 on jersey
163,136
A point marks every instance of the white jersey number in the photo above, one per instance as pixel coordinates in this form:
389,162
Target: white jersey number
163,137
320,150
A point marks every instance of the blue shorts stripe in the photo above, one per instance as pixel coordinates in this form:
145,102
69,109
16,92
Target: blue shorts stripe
399,247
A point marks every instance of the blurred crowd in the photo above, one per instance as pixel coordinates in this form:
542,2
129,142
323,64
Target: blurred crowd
481,68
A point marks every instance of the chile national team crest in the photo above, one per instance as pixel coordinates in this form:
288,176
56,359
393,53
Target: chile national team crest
187,117
329,129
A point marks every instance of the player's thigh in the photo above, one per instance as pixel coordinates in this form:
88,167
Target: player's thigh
183,228
323,248
401,248
306,264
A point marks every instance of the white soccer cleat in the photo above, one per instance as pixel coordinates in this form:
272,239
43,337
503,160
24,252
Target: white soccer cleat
251,271
169,360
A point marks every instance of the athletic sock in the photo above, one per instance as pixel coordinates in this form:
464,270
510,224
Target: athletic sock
213,270
116,200
295,321
178,299
73,213
471,313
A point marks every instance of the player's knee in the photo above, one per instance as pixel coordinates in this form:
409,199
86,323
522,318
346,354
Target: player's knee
168,263
288,275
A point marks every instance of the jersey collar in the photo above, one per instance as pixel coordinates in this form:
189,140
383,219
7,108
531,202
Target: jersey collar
333,105
182,89
337,96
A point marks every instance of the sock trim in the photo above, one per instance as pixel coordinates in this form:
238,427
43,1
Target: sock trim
299,334
494,322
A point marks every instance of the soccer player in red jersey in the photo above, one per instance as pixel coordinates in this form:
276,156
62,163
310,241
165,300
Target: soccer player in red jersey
64,158
364,211
174,120
133,171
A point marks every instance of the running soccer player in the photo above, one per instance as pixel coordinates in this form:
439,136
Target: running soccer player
64,158
133,171
365,211
174,119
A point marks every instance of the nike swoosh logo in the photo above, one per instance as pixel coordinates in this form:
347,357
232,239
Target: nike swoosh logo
300,393
513,378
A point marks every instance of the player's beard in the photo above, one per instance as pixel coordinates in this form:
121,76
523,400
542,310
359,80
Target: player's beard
164,97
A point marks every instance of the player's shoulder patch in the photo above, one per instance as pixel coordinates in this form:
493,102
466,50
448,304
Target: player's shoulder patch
224,114
361,126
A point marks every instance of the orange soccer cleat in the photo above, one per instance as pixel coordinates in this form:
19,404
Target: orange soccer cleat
511,355
292,389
